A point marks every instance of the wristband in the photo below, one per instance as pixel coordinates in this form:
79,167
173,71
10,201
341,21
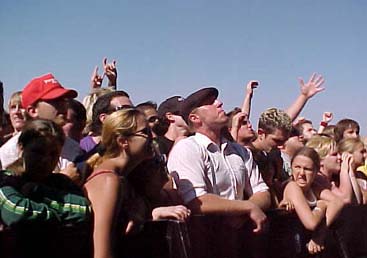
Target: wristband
324,124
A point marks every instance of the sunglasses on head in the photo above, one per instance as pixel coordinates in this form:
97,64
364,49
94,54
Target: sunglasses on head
122,107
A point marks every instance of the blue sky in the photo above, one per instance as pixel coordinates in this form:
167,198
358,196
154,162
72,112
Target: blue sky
166,48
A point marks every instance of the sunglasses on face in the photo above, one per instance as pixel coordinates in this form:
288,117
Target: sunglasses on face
145,133
153,119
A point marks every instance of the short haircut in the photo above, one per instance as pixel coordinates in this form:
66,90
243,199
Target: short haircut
342,126
103,106
300,124
146,105
80,113
272,119
322,144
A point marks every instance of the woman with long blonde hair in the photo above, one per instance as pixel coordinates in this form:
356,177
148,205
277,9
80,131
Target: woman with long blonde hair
127,142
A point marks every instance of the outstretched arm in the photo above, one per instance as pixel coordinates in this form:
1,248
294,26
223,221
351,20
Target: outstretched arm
308,90
246,106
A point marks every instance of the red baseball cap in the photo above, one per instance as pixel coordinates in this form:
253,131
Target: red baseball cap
45,87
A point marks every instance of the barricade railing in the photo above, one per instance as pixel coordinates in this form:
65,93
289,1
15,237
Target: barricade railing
210,236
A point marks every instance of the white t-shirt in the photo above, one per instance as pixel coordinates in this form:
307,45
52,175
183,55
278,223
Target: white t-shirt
9,152
199,166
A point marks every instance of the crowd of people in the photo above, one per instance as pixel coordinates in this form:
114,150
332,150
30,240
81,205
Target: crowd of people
113,165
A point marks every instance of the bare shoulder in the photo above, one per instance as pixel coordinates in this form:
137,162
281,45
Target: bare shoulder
291,188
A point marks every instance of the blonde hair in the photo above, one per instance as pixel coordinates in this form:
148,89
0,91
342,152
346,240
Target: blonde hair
273,118
349,145
88,103
16,98
322,144
120,123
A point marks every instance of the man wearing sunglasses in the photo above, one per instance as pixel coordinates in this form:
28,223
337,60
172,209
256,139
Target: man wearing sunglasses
104,105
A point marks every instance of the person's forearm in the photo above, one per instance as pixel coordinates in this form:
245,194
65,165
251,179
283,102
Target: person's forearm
215,205
345,190
333,209
261,199
246,105
295,109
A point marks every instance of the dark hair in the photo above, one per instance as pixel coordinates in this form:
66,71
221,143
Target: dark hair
342,126
39,140
146,105
80,113
103,106
231,114
310,153
299,125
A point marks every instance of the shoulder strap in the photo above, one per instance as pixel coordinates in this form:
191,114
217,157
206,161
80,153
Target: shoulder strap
99,173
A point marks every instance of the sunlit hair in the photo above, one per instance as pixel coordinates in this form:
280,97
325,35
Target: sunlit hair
322,144
349,145
88,103
310,153
329,130
272,119
342,126
15,99
120,123
41,142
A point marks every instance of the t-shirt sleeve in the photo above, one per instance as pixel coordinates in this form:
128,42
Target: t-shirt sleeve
186,166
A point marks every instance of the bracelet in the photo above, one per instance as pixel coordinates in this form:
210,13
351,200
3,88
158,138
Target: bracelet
324,124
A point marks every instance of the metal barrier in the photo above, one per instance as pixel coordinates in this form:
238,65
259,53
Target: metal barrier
210,236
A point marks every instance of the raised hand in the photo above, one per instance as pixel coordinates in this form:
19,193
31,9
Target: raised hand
251,85
96,79
110,71
313,86
327,117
